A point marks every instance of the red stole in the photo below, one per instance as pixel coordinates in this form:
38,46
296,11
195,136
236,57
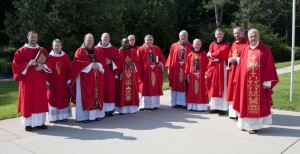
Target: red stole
128,95
196,88
151,76
176,66
256,66
88,81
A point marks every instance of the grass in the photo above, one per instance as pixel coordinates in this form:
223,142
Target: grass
8,100
286,64
281,95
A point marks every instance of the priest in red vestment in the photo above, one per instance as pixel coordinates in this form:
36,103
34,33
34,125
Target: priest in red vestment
132,44
133,47
58,83
196,65
29,70
237,47
151,63
88,81
111,67
217,74
255,78
128,98
176,66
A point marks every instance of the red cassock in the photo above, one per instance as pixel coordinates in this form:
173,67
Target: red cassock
110,53
127,88
134,48
32,85
256,66
236,49
92,83
195,68
215,69
59,93
176,66
150,75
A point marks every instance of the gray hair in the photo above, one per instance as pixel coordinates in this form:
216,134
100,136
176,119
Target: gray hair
104,35
147,36
88,34
183,31
130,36
253,30
57,41
239,28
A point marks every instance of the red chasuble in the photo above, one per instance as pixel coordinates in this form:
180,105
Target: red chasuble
127,88
256,66
195,69
215,69
176,65
59,93
110,53
150,75
134,48
32,85
236,49
92,83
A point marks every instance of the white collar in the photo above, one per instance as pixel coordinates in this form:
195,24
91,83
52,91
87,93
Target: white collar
52,53
101,46
254,46
31,47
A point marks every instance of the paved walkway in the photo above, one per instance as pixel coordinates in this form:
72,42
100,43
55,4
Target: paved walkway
162,131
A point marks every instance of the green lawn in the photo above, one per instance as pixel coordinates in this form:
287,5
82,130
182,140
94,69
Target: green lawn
281,95
286,64
8,99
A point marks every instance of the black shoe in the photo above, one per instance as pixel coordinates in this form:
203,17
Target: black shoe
176,106
235,118
121,113
42,127
252,131
243,130
28,128
214,111
141,109
64,120
85,121
156,108
98,119
222,113
109,113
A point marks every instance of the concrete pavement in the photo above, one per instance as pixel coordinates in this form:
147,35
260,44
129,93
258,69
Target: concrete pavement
166,130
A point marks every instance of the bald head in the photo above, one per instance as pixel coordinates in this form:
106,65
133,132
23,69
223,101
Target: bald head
197,44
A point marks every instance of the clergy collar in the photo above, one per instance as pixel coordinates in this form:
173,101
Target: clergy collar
122,48
254,46
193,50
31,47
85,47
52,53
220,42
183,43
102,46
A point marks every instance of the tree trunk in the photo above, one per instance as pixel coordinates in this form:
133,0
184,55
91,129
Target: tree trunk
219,14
